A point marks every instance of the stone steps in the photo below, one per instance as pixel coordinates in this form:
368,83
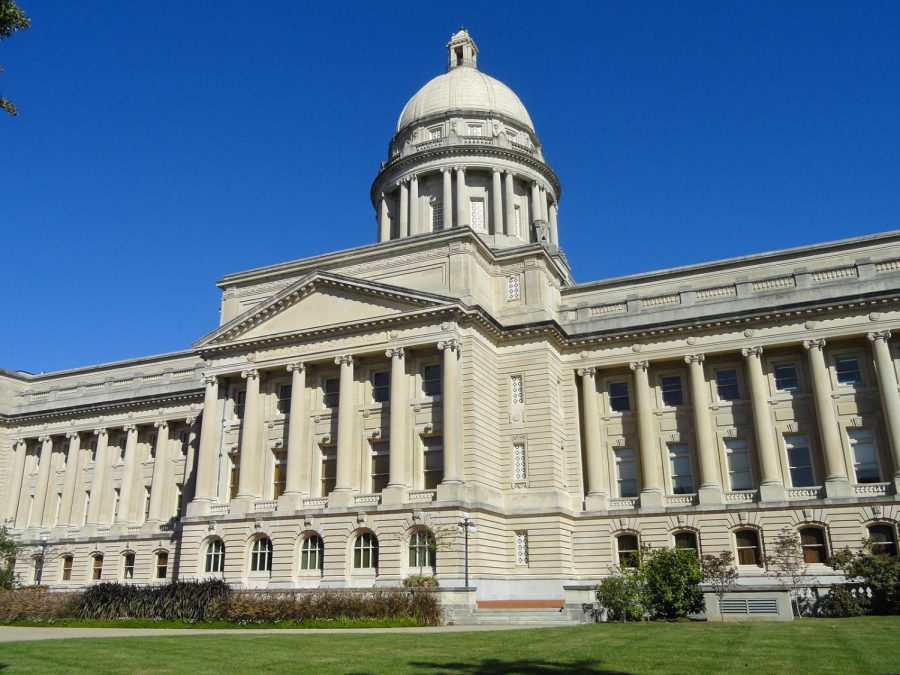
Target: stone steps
525,616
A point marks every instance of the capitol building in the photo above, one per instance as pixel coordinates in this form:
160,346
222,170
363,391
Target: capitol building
352,409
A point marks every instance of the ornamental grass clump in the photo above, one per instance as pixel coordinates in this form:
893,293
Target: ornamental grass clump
29,604
180,600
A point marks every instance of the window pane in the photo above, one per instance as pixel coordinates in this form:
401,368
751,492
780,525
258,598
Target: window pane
431,380
799,462
686,541
847,369
618,396
332,390
727,385
786,377
738,464
865,456
671,390
680,464
284,398
381,387
625,471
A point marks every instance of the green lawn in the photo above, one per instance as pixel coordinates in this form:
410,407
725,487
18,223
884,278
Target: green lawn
863,645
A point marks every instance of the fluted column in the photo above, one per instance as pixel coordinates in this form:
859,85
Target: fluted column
399,459
342,495
208,454
296,484
450,487
404,209
70,483
43,481
771,487
414,205
447,198
651,488
98,486
162,466
710,491
543,202
462,198
508,202
189,480
554,227
384,219
535,202
16,478
890,397
129,478
248,483
496,203
597,493
836,481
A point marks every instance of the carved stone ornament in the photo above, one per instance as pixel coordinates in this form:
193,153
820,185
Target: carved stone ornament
876,511
346,360
691,340
584,355
251,357
452,345
161,424
807,514
749,332
874,316
299,367
361,517
396,352
100,432
417,514
752,351
742,517
879,335
257,524
814,344
586,372
307,521
694,358
639,365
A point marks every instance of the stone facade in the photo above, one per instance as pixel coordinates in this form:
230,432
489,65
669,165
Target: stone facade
351,402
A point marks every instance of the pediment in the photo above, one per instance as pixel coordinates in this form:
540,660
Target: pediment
319,301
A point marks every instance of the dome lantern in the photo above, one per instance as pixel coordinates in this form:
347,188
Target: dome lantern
462,51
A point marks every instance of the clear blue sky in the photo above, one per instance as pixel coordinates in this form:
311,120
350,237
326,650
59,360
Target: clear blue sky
164,144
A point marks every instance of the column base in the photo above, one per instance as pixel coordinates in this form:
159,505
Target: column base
291,501
710,494
242,505
394,495
199,507
771,492
120,529
89,530
597,501
151,526
652,499
838,487
448,492
341,498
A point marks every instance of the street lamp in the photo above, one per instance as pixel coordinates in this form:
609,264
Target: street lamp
39,561
464,527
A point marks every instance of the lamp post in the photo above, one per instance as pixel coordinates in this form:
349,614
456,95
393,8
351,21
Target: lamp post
39,561
464,527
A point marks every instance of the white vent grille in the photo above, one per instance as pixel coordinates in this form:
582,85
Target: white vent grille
521,548
749,606
513,288
517,390
519,472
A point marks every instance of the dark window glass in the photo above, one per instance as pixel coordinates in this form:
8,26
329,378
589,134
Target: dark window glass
332,388
786,377
627,545
312,554
672,394
380,465
686,541
812,540
883,539
618,396
748,547
847,369
381,387
434,460
284,399
431,380
727,385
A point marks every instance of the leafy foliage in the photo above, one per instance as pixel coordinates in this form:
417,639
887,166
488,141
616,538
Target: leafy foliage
841,602
720,573
187,600
786,563
12,19
621,596
420,581
879,571
672,580
8,550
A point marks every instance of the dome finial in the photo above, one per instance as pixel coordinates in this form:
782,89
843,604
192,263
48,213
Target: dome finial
461,50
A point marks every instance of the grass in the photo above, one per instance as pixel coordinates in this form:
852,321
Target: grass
861,645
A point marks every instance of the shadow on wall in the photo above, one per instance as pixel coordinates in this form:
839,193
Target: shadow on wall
521,667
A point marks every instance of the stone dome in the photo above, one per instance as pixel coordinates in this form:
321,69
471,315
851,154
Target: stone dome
464,87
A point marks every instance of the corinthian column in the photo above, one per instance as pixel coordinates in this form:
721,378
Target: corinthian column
208,453
836,482
710,491
70,484
16,478
398,458
462,198
98,485
651,489
447,198
248,483
890,397
296,484
404,209
43,481
345,486
451,486
508,199
496,202
771,487
162,467
128,496
414,205
597,496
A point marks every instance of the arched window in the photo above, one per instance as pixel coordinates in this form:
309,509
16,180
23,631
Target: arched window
261,555
748,550
66,568
97,567
812,540
627,547
687,541
312,553
365,551
422,550
215,557
884,540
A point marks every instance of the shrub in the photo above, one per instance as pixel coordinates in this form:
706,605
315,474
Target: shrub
672,583
841,602
620,595
879,571
184,600
33,605
420,581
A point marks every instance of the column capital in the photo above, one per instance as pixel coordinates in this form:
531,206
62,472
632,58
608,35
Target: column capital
102,431
190,420
299,366
639,365
161,424
209,379
586,372
250,373
446,169
452,345
752,351
459,169
496,170
535,184
346,360
395,353
72,434
814,344
695,358
44,438
879,335
130,427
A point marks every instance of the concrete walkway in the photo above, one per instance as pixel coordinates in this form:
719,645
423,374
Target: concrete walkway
22,633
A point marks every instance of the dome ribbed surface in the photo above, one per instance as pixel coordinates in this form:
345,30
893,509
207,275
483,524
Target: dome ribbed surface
463,89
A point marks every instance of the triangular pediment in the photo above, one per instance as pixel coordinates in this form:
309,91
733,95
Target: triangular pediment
319,301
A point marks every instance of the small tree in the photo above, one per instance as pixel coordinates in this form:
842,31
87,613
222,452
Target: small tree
787,565
620,594
9,549
671,583
719,572
879,571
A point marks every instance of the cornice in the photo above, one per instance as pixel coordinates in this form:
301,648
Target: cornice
112,406
109,365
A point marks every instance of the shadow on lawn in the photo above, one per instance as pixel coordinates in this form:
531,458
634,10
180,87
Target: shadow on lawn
516,667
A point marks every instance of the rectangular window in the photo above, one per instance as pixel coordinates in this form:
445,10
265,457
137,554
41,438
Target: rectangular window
97,568
512,136
280,474
329,469
519,462
381,387
865,455
513,287
151,442
727,385
521,548
234,475
185,438
431,379
799,460
146,504
162,565
477,214
284,399
56,510
847,369
381,469
475,130
517,390
433,448
680,463
331,389
116,496
93,447
67,568
672,394
618,397
123,444
435,134
128,566
626,477
437,215
239,401
786,377
738,464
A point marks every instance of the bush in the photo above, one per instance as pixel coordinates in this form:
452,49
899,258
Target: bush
420,581
879,571
33,605
672,583
184,600
841,602
620,595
